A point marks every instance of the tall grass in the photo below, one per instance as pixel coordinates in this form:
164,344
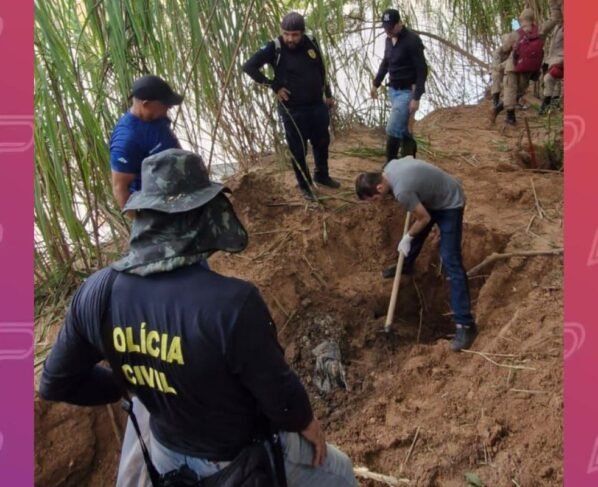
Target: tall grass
87,54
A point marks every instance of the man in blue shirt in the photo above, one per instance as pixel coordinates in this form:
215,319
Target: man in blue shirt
142,131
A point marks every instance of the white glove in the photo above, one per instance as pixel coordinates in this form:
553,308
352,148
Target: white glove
405,244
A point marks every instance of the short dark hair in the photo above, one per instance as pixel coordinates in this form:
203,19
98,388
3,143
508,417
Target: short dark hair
365,184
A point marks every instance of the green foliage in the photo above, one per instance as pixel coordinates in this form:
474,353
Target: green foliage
88,53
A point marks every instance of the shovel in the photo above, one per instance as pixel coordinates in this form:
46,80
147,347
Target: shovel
396,283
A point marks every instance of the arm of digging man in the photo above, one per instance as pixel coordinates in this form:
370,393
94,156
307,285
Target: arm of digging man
421,73
254,354
71,372
422,218
266,55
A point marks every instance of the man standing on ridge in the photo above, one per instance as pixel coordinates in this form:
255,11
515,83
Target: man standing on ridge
141,132
433,197
405,63
304,97
524,51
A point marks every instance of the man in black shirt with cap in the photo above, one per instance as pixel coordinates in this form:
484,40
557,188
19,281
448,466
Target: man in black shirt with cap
405,64
304,97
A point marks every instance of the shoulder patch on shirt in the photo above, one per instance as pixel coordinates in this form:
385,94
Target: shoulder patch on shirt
264,47
311,53
123,160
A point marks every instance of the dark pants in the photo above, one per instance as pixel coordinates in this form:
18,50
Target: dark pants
450,223
303,124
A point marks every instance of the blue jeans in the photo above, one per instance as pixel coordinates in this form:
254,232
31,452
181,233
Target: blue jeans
398,119
450,223
337,470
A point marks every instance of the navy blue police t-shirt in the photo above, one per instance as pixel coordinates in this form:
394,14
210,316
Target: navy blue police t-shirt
134,139
198,349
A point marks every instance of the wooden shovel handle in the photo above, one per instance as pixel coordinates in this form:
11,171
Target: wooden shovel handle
396,283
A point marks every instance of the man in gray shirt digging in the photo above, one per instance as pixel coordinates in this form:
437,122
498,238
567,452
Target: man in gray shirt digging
432,197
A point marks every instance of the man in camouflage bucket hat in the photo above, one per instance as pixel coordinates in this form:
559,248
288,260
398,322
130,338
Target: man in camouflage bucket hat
197,349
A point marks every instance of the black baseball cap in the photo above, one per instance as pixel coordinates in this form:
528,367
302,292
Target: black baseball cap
390,17
152,87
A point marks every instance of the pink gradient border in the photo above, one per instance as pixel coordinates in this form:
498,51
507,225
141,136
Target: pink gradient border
16,244
581,241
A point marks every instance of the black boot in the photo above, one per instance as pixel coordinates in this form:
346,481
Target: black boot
464,337
392,148
408,146
546,103
495,100
499,107
308,193
327,181
511,120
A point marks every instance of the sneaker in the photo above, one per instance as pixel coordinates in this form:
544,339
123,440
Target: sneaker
464,337
389,272
328,181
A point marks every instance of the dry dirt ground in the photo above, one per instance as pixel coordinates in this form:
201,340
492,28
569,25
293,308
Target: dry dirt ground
413,410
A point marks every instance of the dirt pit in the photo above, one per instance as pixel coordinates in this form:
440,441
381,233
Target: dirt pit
414,410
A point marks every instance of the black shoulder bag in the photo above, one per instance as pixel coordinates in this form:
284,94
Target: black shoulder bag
250,468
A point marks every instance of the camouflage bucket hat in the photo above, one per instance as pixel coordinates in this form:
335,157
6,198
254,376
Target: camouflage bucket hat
182,217
161,242
173,181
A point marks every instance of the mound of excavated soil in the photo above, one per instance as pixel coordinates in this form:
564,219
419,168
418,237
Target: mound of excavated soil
413,409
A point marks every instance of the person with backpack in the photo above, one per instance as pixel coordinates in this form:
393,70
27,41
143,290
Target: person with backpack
405,64
196,348
304,98
525,50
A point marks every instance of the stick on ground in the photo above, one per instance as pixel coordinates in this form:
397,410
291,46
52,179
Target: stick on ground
524,253
363,472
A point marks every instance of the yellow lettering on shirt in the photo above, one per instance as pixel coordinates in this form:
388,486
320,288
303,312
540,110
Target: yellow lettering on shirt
118,337
152,343
128,373
144,341
175,353
131,345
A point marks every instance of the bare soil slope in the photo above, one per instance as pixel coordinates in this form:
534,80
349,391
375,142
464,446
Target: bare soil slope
414,409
